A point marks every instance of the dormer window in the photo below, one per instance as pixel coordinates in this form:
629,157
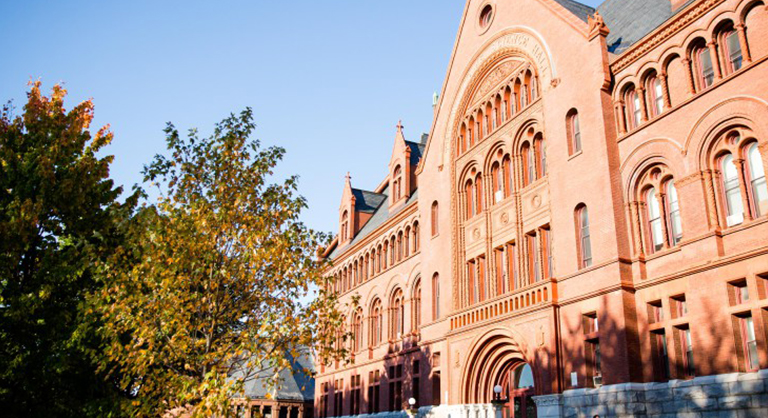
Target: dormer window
397,183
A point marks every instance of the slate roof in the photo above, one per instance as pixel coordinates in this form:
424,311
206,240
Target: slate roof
381,215
630,20
366,201
294,383
579,10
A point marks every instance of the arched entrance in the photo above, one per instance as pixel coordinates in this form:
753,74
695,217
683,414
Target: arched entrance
498,359
517,387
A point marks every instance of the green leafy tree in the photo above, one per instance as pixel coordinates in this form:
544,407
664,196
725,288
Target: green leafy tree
59,217
209,291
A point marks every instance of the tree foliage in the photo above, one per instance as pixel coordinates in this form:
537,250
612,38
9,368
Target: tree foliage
59,218
208,292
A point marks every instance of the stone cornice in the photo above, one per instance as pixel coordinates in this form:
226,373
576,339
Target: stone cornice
663,33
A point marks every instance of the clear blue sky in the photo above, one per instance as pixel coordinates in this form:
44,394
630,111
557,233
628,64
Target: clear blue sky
328,80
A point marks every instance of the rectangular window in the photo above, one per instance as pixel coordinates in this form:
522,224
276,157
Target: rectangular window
734,50
594,363
373,392
436,388
501,282
482,279
416,389
655,312
473,286
395,387
591,325
534,269
355,393
511,257
749,343
707,71
339,398
739,292
686,345
679,306
546,249
661,354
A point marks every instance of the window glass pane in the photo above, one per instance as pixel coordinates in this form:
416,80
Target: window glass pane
732,191
734,50
707,72
757,177
674,212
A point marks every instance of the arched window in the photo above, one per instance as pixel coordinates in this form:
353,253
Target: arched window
435,297
634,108
497,182
407,242
416,322
397,188
573,129
541,157
400,246
733,200
479,193
375,318
384,260
703,67
731,49
529,164
654,219
507,166
673,209
470,197
357,331
396,315
655,95
344,226
416,237
584,243
435,218
758,188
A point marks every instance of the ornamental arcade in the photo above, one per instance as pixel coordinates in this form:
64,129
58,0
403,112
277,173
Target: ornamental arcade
583,231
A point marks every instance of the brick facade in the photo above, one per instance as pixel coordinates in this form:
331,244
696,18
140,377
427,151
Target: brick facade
587,217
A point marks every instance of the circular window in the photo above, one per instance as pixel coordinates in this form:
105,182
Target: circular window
486,15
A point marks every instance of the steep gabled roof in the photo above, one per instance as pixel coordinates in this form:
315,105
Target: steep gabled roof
417,150
580,10
367,201
630,20
380,216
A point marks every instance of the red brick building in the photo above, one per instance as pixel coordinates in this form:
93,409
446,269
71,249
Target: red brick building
585,226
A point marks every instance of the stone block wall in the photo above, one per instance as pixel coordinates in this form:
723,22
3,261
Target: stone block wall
739,395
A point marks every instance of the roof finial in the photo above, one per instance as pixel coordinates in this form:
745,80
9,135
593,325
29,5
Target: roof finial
400,126
348,178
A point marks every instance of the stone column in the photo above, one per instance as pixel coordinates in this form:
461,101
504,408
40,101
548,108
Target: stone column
689,75
665,90
746,56
715,59
640,91
709,192
739,163
637,236
622,117
660,197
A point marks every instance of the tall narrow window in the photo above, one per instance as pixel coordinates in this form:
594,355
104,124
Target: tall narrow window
398,188
734,204
673,208
749,343
511,263
706,71
416,306
357,331
474,288
574,131
374,380
687,349
529,164
732,50
534,269
436,297
661,354
757,181
497,182
541,151
344,226
375,328
546,249
416,237
654,219
396,318
656,95
498,263
435,218
507,166
469,192
585,243
479,193
634,109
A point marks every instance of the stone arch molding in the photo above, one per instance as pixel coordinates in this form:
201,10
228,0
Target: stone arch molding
488,355
518,41
745,110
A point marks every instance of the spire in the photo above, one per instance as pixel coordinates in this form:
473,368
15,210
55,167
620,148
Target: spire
400,136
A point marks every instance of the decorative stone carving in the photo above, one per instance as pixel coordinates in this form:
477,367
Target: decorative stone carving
504,218
536,201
